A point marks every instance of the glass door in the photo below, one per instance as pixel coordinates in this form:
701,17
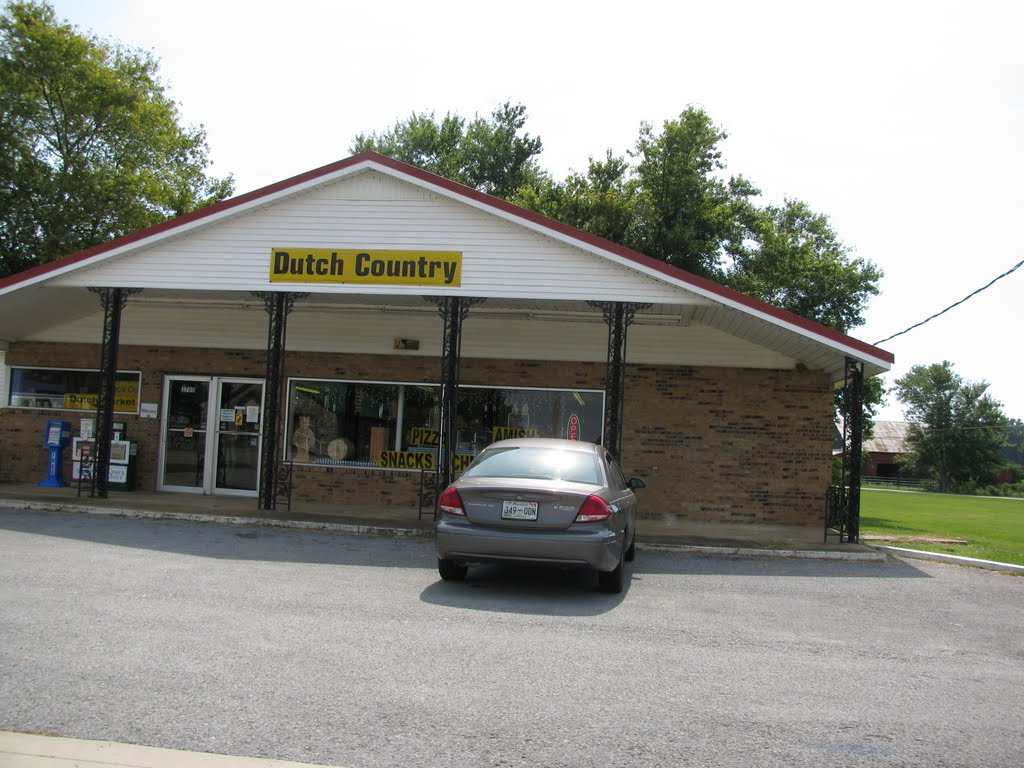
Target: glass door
212,435
185,425
238,436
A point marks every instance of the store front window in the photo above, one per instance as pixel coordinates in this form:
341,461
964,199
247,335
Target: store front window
396,426
71,389
486,414
337,422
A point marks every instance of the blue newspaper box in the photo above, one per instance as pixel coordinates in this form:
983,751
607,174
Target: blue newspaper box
57,438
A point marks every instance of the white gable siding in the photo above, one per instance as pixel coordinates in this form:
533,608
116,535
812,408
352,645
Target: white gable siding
374,211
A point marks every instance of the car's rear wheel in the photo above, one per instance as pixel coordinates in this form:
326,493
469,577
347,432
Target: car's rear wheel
611,581
451,571
631,552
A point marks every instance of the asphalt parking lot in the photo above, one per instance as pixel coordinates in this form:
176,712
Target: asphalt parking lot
344,650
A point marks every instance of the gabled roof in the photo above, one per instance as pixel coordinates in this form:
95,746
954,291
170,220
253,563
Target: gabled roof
740,314
888,437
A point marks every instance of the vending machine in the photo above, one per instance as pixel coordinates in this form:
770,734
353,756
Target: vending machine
123,453
57,438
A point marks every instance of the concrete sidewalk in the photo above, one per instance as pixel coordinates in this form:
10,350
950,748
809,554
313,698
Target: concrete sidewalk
662,532
25,750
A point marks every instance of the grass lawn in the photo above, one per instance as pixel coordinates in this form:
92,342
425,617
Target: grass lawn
992,528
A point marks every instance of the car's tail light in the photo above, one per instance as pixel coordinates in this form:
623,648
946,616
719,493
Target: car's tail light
451,503
594,509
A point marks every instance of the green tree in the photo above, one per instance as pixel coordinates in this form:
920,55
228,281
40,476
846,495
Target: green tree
1014,450
90,144
492,155
793,258
957,429
669,203
673,205
687,215
603,201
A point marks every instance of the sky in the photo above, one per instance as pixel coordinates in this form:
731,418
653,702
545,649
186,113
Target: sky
903,122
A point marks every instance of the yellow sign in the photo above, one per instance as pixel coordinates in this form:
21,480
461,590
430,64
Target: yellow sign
509,433
421,460
126,398
328,265
408,460
429,438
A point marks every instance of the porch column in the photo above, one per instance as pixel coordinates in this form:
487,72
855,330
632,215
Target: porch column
453,311
619,316
853,437
278,305
113,300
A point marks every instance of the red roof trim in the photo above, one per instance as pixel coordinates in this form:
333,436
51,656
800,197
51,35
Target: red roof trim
460,190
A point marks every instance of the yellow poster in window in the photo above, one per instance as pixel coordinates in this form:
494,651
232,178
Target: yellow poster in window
126,399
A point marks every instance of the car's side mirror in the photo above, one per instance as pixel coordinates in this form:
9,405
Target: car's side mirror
636,484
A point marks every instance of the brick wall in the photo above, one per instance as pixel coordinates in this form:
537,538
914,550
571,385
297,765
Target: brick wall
713,444
729,445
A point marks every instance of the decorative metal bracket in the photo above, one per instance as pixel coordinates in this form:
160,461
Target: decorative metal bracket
271,298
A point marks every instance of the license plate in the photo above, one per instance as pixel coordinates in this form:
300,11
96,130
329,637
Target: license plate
519,510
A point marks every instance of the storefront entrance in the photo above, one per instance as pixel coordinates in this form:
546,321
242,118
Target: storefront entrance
211,435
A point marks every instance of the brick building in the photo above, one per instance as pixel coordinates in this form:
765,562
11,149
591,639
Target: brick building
723,404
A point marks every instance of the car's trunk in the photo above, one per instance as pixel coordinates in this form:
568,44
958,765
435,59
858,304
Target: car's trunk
504,502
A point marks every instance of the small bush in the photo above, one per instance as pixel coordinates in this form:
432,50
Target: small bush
1006,490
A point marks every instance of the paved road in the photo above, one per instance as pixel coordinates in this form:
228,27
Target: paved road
342,650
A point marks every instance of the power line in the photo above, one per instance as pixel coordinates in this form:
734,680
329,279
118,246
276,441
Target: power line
1012,269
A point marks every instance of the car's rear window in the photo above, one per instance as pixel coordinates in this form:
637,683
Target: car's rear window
538,463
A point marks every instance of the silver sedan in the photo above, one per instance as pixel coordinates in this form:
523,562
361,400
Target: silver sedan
539,500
